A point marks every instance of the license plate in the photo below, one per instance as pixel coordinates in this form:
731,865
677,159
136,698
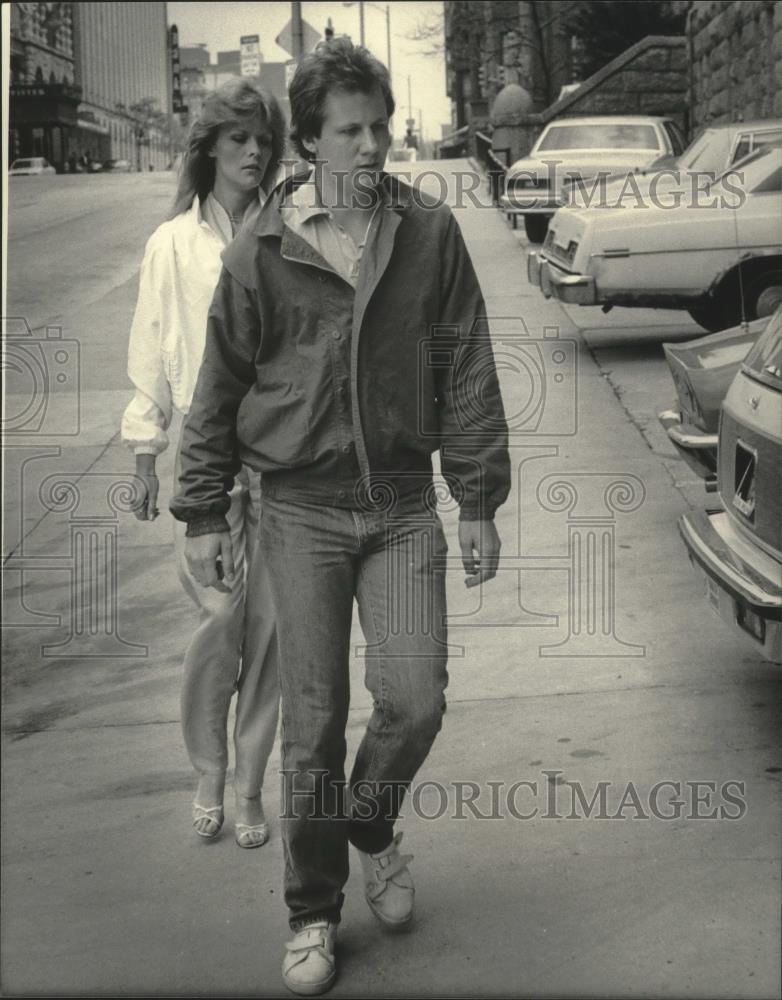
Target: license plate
745,473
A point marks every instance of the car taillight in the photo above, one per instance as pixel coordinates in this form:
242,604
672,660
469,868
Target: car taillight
688,401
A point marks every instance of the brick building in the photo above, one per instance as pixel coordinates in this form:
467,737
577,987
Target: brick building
493,43
725,66
735,59
44,97
77,72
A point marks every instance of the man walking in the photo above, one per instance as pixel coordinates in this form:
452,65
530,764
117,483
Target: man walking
317,374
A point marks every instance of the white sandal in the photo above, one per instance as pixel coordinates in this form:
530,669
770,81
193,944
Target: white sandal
245,832
214,816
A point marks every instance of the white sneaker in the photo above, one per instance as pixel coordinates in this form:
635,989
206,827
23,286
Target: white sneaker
309,966
388,885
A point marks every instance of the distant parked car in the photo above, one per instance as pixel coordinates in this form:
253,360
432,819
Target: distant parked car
702,371
738,550
720,258
118,166
710,154
706,158
34,166
718,146
584,148
95,167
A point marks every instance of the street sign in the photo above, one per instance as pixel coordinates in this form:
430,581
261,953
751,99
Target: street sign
290,69
250,55
311,37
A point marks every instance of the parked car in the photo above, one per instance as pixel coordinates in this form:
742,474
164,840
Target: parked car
738,550
702,371
34,166
118,166
707,157
718,146
585,148
719,257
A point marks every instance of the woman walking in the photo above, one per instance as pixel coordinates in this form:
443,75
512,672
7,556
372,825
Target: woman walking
233,155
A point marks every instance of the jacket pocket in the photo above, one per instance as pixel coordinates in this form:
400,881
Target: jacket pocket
273,422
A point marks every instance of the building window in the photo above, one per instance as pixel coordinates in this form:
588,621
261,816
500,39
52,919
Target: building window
17,69
39,75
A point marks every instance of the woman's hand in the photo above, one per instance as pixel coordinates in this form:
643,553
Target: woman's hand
145,470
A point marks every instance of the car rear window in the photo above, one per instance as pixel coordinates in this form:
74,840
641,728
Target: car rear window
764,360
23,164
768,139
600,137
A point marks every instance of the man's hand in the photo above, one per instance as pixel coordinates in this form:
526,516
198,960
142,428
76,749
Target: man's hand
480,545
210,560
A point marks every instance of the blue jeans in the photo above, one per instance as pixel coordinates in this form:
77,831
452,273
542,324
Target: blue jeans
319,559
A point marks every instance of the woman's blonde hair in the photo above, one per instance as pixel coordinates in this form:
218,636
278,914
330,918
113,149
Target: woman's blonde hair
238,101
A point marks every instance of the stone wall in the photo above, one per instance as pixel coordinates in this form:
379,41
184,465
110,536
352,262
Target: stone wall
735,52
649,78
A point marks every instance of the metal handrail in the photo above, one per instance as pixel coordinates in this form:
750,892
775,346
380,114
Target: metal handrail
496,170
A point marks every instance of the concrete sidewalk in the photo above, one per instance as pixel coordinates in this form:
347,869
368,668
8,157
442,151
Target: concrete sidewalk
108,892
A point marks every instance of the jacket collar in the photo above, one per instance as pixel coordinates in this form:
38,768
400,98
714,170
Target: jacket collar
270,223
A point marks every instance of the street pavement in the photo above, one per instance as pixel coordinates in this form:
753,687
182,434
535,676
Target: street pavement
592,660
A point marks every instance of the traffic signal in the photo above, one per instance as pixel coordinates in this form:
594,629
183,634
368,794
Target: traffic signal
501,76
482,78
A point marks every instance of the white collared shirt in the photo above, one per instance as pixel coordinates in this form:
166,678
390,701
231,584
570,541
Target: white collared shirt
306,216
179,273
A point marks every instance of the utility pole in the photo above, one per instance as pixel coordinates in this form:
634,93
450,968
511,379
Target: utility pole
361,22
297,30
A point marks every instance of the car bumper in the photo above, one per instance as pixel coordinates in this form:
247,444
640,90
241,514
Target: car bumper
573,289
743,584
696,447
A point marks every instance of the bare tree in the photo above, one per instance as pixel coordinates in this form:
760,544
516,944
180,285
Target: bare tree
430,32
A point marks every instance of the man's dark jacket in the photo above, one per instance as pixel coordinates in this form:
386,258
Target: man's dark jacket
340,396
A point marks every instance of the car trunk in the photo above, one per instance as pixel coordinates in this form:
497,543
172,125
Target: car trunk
703,369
